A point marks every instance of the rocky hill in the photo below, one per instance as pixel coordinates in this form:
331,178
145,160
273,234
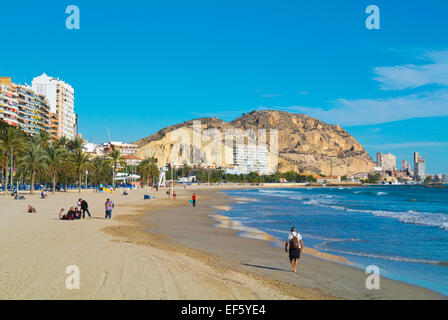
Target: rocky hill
305,144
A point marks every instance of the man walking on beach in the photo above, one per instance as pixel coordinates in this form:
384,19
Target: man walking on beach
193,198
295,243
109,206
84,207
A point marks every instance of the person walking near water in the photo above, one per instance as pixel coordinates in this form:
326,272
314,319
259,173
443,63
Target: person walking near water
295,243
193,199
84,208
109,206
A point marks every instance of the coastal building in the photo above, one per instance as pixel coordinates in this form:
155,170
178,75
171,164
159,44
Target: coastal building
21,107
444,178
8,102
387,161
76,125
124,148
54,123
419,168
249,158
132,160
405,166
33,111
61,98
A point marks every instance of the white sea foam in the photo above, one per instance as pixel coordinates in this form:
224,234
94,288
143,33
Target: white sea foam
439,220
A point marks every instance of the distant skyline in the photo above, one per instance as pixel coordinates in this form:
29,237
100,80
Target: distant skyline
137,66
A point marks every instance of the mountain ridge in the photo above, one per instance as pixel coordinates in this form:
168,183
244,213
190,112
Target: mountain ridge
305,144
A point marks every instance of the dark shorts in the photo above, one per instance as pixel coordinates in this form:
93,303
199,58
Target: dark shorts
294,254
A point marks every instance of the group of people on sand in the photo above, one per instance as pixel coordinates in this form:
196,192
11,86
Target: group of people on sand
79,211
76,212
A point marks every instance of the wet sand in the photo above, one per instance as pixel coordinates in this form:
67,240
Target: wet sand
203,229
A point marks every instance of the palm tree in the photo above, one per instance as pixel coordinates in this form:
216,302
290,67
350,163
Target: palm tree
12,140
100,168
54,158
117,159
148,170
44,139
62,143
76,144
80,160
32,161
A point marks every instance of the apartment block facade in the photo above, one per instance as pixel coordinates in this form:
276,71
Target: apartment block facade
21,107
249,158
61,98
387,161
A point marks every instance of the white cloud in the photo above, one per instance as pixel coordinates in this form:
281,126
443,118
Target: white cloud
270,95
374,111
411,76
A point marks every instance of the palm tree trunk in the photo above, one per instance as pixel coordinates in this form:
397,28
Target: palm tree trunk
6,180
6,174
32,183
54,183
115,170
79,182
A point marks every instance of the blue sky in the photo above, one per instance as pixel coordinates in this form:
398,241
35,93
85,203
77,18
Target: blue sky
138,66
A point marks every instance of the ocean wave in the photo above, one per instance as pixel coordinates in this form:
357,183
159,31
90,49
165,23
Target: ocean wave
270,191
312,202
439,220
324,247
382,193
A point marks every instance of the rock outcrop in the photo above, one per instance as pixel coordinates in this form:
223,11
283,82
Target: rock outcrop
305,144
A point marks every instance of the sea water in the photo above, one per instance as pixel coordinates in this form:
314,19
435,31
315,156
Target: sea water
403,230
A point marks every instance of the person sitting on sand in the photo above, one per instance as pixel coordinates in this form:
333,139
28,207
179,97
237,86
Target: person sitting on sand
295,243
77,214
62,216
125,192
43,195
31,209
16,196
71,214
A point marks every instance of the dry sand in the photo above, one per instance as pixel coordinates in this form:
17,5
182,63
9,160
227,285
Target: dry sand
158,249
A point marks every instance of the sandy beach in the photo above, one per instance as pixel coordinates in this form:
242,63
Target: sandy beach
162,249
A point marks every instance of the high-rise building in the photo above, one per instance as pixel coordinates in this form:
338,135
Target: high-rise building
33,111
20,106
8,101
405,166
415,157
61,98
387,161
419,170
249,158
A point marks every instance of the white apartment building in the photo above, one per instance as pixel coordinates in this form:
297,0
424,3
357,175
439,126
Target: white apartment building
61,98
419,170
387,161
249,158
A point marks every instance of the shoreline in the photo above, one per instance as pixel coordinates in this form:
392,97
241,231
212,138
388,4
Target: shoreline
160,249
391,289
